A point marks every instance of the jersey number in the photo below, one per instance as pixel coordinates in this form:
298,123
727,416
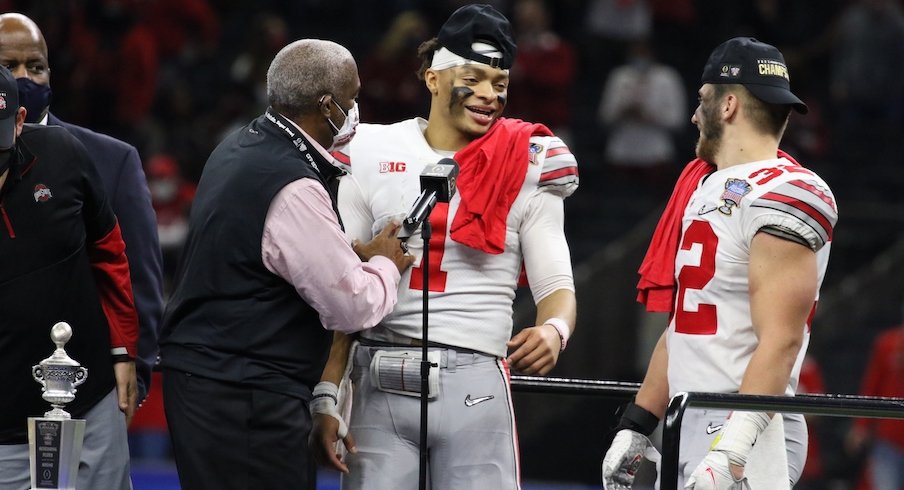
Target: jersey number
770,173
703,321
438,219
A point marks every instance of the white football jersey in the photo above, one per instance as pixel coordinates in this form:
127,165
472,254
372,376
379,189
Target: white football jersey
471,291
711,337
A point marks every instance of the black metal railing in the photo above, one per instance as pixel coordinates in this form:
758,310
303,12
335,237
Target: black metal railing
810,404
830,405
617,390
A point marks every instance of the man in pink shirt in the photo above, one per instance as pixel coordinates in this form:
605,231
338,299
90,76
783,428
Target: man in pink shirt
266,274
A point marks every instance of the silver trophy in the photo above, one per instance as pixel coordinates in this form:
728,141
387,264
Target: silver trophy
55,440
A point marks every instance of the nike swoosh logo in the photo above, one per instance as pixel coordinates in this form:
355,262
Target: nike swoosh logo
470,402
712,429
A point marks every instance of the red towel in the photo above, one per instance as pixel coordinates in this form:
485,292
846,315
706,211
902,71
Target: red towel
493,168
656,288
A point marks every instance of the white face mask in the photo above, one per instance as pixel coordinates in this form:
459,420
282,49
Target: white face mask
343,136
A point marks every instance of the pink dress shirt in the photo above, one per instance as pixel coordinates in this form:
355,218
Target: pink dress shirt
303,244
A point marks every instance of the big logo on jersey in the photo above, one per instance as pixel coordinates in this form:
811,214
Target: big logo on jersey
386,167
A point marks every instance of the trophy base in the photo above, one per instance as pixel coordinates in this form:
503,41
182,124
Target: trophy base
54,452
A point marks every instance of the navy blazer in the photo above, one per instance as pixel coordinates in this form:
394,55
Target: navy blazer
127,190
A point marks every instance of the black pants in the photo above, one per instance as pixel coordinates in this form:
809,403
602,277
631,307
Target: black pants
231,437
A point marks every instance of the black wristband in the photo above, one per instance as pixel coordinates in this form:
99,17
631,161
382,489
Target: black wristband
637,419
121,358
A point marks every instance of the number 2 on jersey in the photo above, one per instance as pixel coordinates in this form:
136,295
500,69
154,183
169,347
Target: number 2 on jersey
696,277
438,219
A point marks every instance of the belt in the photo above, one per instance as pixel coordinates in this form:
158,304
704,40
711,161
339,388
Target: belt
449,358
406,342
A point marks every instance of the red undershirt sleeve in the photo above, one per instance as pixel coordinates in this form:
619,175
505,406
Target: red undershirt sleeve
111,273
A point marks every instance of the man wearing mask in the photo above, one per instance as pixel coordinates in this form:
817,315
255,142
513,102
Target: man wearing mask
24,52
266,273
62,258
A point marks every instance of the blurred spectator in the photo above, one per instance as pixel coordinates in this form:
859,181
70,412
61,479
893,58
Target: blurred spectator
544,69
884,438
181,25
390,91
612,25
171,196
811,381
678,19
116,64
868,66
643,104
268,34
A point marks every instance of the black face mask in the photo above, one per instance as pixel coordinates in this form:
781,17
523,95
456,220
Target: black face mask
35,98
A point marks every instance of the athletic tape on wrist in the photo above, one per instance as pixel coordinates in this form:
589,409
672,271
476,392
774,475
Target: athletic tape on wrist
740,434
325,401
562,327
638,419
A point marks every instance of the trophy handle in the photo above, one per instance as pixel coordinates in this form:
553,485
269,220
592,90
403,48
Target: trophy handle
38,374
80,376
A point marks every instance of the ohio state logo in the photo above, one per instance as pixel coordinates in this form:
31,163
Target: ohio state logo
2,102
42,193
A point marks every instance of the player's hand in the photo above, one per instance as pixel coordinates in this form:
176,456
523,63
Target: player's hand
328,427
535,350
627,451
323,439
126,388
387,245
716,473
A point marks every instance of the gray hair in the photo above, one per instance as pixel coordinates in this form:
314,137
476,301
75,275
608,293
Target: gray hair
303,71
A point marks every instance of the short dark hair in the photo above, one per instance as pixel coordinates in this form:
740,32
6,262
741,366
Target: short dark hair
425,52
769,118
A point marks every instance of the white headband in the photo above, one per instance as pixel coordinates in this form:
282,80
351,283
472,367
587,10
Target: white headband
443,58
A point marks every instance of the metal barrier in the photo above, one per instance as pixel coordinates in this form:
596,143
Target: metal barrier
830,405
810,404
617,390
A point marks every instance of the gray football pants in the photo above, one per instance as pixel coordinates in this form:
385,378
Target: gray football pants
471,433
697,436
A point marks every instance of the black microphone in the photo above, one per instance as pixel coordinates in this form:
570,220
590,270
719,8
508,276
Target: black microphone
437,185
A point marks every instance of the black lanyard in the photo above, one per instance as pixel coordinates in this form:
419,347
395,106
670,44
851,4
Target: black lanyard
328,174
294,136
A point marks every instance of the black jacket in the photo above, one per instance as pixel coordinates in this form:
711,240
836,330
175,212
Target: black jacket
53,208
229,317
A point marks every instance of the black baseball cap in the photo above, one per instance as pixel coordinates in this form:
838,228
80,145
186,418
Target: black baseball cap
758,66
9,107
477,22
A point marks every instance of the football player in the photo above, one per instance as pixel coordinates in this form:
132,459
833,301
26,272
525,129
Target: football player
508,210
738,259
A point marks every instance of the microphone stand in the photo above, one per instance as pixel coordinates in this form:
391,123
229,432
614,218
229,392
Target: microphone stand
425,363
